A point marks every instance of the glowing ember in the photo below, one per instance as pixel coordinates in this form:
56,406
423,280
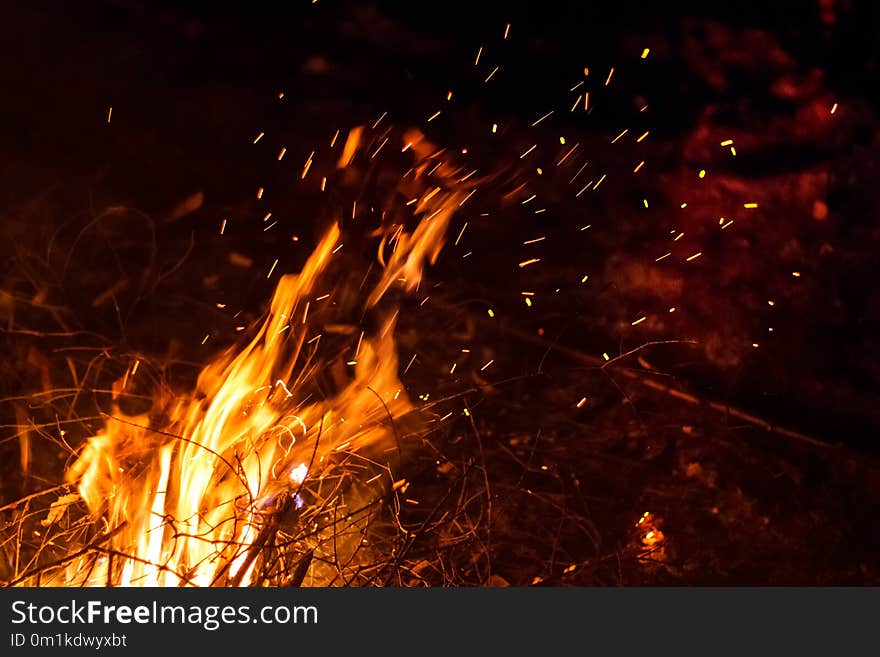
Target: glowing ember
298,474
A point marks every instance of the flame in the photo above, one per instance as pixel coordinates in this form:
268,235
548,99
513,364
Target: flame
183,493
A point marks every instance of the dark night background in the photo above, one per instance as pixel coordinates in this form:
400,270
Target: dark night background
192,83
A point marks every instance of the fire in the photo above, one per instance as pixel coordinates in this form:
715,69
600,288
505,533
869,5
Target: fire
189,494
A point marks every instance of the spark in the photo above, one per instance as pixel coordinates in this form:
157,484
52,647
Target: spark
695,256
727,142
110,113
494,71
479,53
458,239
548,114
260,193
335,137
376,152
639,166
581,403
483,368
533,241
281,154
274,264
750,206
640,139
434,115
608,79
625,130
645,53
259,137
379,120
531,261
639,321
357,349
833,110
507,30
307,166
528,151
223,227
702,173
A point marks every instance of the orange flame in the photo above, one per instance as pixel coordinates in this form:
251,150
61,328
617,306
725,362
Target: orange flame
182,499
